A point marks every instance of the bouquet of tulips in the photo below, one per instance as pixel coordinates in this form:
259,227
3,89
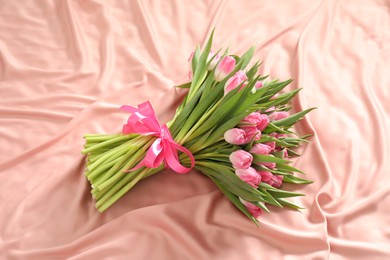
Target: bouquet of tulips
233,126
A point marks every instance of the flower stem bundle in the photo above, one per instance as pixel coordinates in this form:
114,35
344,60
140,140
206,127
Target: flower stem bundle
233,126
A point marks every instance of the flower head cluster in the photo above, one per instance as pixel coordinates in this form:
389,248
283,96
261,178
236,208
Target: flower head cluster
248,133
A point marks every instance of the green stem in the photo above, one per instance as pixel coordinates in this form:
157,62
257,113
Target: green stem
199,123
111,177
112,154
108,142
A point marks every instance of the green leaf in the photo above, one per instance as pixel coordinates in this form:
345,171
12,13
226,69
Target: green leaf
185,85
181,118
196,57
273,128
269,198
200,71
292,153
287,168
277,193
289,121
246,57
259,158
235,200
295,180
229,180
288,204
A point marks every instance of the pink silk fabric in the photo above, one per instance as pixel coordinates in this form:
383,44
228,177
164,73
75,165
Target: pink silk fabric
67,66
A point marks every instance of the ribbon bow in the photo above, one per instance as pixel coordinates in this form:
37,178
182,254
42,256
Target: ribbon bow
144,121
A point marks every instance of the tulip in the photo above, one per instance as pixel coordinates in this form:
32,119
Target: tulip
224,68
259,84
252,133
263,122
270,109
235,81
253,209
276,135
271,144
214,61
277,181
241,159
269,165
259,120
235,136
285,154
266,176
260,149
250,176
278,115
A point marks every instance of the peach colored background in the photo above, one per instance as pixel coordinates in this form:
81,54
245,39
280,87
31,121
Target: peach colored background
67,66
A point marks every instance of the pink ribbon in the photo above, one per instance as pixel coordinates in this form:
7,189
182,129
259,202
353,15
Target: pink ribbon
144,121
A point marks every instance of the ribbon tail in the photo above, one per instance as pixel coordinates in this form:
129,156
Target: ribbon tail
171,157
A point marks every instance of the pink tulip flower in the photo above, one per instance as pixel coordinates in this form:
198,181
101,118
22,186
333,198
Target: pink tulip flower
269,165
250,176
252,133
253,209
260,149
213,62
276,135
277,181
235,136
224,68
271,144
259,120
278,115
241,159
235,81
285,154
266,176
259,84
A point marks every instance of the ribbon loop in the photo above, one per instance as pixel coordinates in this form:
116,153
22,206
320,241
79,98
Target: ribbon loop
143,121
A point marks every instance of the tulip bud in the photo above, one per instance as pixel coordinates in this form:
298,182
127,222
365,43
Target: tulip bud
278,115
235,136
235,81
252,133
266,176
250,176
277,181
224,68
241,159
261,121
259,84
213,62
253,209
271,144
269,165
260,149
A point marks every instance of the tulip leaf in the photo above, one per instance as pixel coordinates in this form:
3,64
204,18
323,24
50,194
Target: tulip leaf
289,121
296,180
185,85
246,57
273,128
287,168
260,158
230,180
288,204
269,198
277,193
235,200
